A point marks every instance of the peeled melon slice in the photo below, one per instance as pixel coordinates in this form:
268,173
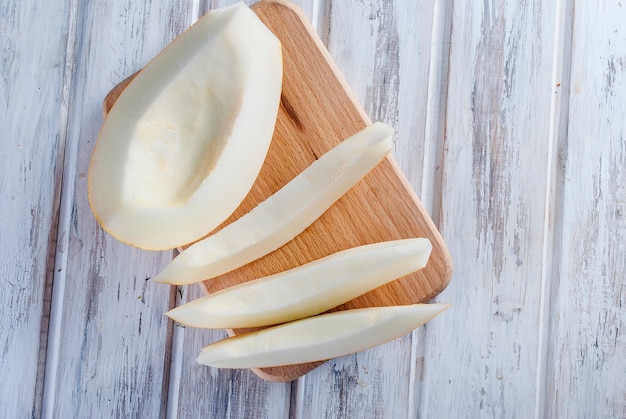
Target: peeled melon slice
185,141
306,290
318,338
284,215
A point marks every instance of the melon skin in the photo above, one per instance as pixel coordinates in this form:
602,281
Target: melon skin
186,139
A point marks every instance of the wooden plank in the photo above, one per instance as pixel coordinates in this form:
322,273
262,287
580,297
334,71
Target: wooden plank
384,51
108,354
586,374
493,211
32,112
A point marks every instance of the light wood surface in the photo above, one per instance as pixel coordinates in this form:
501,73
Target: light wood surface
510,119
317,111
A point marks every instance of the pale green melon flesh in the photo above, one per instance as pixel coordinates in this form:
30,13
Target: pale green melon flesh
318,338
308,289
186,139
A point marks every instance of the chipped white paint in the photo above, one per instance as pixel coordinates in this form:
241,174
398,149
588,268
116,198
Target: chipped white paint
493,209
108,343
32,143
510,119
587,342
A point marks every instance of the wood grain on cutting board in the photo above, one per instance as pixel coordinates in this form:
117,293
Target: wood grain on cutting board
318,111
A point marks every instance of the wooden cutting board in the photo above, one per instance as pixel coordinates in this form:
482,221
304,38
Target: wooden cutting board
317,111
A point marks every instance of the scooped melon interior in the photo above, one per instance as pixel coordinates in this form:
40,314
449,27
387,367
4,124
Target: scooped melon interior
186,139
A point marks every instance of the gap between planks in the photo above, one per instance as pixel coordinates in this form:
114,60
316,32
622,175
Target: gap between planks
67,159
176,361
553,224
432,169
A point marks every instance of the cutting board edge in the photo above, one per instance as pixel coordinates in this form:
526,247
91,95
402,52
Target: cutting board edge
304,20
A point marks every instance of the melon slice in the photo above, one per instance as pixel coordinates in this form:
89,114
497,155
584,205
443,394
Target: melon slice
284,215
306,290
318,338
185,141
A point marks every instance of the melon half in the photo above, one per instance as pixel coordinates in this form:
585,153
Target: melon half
185,141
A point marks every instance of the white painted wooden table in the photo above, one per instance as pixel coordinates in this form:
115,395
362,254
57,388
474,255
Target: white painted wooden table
511,120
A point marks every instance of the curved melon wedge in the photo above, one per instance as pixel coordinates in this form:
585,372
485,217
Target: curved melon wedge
284,215
306,290
318,338
186,139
